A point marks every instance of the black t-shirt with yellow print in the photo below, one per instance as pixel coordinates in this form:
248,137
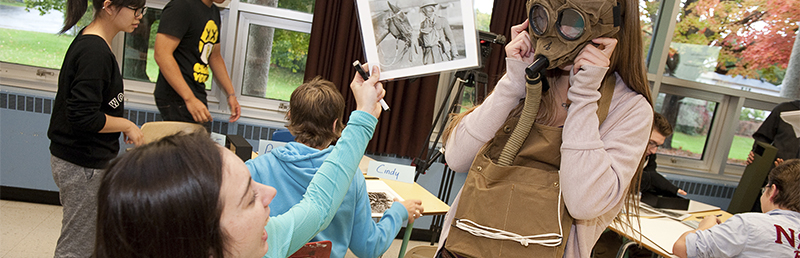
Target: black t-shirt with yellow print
197,26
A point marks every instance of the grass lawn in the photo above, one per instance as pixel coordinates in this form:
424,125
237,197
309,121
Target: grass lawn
282,82
739,148
12,3
33,48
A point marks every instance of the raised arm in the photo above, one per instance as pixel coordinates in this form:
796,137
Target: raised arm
323,196
597,169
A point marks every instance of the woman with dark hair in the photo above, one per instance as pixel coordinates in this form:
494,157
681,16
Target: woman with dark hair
87,117
184,196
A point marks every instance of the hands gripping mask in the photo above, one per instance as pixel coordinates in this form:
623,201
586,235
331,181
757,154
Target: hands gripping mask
559,29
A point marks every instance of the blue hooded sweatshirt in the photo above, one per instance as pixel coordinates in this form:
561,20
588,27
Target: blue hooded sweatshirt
290,168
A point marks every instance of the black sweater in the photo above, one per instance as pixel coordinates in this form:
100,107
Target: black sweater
779,133
654,182
89,87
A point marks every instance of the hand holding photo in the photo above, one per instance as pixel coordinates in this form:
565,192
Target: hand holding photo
411,38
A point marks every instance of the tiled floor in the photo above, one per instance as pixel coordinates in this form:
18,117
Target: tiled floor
28,229
31,230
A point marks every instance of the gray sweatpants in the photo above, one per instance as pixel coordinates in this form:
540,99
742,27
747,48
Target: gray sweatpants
78,193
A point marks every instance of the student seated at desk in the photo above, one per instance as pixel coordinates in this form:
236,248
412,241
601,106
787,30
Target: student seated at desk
768,234
315,119
652,181
185,196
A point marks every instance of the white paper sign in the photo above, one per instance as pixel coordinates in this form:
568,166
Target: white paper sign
391,171
266,146
218,138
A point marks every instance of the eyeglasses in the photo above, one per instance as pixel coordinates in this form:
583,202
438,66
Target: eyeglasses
138,11
764,189
652,144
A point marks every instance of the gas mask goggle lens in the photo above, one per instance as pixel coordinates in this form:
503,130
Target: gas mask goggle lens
560,28
570,24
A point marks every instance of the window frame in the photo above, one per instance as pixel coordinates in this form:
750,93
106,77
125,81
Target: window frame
285,19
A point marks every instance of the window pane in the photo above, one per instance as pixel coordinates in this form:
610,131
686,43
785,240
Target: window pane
648,10
138,62
483,14
691,120
306,6
30,38
275,62
732,44
749,121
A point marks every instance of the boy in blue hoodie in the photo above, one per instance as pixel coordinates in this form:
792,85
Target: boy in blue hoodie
315,119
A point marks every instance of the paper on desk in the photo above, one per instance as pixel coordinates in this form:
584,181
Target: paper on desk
654,233
695,207
792,118
378,186
663,232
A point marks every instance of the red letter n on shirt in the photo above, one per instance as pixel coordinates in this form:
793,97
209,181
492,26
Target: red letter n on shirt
780,231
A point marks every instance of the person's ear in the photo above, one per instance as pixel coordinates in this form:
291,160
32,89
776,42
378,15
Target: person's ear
773,193
107,7
334,124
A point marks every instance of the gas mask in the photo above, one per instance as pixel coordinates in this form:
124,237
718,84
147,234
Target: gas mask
559,29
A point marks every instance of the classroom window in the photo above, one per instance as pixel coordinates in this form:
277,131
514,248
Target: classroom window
750,120
275,62
31,38
728,43
272,56
691,120
138,62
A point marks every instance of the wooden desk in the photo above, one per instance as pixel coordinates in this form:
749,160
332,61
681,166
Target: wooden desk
659,234
432,204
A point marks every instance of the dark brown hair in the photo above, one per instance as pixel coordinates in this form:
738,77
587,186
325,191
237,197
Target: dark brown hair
162,200
77,8
313,108
786,178
661,125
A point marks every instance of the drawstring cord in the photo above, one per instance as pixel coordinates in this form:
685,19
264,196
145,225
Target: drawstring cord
548,239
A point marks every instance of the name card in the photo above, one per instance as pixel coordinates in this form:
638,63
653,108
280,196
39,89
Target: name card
266,146
218,138
391,171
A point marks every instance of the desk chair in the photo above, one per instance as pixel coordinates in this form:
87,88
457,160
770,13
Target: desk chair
156,130
282,135
321,249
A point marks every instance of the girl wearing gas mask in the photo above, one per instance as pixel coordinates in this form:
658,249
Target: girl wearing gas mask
554,153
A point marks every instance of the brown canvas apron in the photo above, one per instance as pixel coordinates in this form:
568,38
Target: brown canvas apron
520,204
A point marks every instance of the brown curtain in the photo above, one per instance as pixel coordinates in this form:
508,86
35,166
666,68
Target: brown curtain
505,13
334,44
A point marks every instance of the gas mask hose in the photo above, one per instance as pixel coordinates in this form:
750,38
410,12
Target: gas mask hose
535,85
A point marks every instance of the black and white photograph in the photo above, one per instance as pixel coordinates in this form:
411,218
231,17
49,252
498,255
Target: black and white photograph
410,38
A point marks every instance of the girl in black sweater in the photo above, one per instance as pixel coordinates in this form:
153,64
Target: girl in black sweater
87,117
